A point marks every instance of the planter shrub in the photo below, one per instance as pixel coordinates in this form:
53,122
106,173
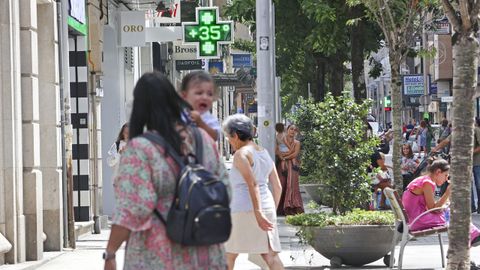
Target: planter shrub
335,149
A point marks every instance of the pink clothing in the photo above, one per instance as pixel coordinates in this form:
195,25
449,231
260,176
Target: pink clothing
415,205
145,181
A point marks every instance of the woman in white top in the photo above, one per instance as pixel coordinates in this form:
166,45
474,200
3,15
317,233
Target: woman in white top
253,206
118,146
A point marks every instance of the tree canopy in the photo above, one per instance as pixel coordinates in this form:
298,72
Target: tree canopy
313,43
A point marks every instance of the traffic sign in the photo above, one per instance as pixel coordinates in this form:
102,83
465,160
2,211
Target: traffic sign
207,32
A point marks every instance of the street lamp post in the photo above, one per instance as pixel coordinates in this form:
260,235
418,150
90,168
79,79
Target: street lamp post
265,87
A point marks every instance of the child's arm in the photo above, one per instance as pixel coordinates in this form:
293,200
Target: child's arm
201,124
212,132
294,152
291,150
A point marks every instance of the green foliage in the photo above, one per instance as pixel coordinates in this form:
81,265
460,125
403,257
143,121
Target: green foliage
242,11
376,68
335,150
355,217
307,31
322,219
244,45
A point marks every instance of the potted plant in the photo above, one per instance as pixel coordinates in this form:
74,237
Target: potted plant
336,153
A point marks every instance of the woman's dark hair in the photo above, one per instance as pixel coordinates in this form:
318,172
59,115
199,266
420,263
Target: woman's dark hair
120,136
195,77
441,164
477,121
279,127
410,151
157,106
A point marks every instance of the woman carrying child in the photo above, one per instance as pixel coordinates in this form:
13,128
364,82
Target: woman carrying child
291,201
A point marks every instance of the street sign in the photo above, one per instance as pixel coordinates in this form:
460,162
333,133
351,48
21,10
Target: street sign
207,32
413,85
242,60
442,27
195,64
215,66
448,99
388,103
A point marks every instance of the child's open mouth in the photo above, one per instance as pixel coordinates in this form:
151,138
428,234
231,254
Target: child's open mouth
203,106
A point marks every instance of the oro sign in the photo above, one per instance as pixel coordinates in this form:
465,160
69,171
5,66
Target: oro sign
207,32
132,29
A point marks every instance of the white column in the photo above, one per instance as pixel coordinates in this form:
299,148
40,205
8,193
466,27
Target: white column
50,135
11,167
32,176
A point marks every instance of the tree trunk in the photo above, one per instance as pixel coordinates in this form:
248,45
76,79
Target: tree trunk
465,55
321,70
336,76
357,38
396,119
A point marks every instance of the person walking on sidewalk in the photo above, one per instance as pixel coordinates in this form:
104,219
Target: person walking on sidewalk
254,221
146,182
118,147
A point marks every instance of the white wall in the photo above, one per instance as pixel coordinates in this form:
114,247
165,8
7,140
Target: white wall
113,108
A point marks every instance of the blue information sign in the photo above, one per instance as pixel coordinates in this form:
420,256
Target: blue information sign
242,60
413,85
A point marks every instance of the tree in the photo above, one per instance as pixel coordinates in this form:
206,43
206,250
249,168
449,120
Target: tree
463,16
313,41
400,21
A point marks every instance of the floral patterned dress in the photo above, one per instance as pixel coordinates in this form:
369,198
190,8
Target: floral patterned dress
145,181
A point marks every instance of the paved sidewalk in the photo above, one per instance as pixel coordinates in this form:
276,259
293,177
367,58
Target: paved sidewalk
421,254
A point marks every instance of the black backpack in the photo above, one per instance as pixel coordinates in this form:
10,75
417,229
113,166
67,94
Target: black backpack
200,212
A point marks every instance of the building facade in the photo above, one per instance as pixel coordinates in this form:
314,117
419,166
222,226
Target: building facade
35,127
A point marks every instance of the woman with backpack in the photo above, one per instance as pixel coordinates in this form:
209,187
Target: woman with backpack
146,182
254,220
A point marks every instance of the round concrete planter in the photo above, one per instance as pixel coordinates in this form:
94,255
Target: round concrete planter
352,245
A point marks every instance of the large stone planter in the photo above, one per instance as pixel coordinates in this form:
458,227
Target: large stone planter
352,245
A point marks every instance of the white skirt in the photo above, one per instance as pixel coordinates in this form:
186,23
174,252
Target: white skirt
248,237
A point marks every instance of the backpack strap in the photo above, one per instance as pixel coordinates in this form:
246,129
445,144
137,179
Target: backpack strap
198,145
159,140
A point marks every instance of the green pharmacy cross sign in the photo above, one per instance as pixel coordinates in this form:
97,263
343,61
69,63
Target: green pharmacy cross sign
207,32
